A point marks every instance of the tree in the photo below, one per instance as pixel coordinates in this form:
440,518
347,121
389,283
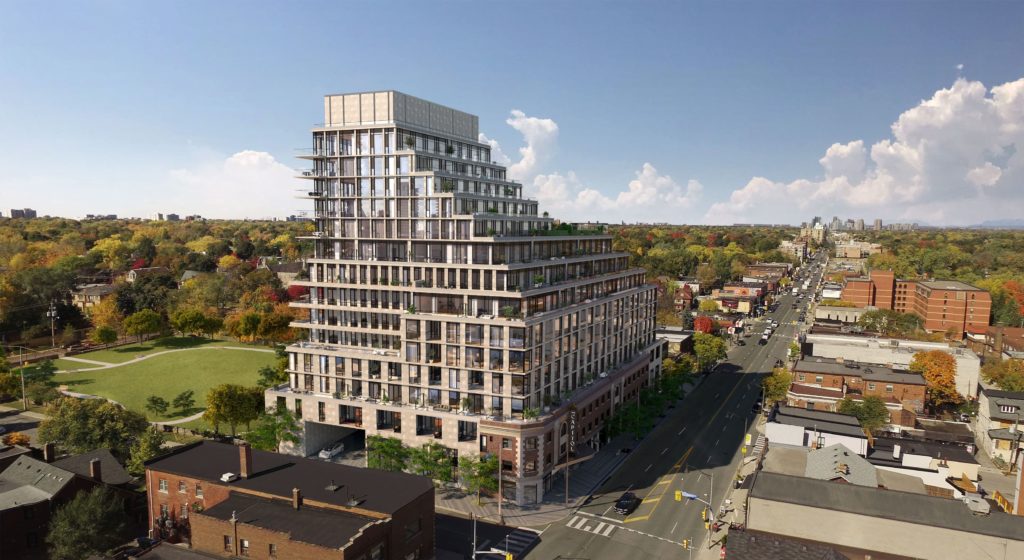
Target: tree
17,438
147,446
479,474
939,371
871,412
104,335
431,460
142,323
156,405
232,405
707,276
93,522
106,314
386,453
709,350
1008,375
274,427
707,306
188,321
81,425
184,401
776,385
703,324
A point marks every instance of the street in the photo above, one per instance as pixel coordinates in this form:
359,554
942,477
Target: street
695,449
12,421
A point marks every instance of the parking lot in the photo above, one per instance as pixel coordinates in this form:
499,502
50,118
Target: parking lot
13,421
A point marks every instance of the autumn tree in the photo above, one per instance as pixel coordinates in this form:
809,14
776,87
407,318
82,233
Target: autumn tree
232,405
870,412
707,306
709,349
939,371
776,385
1008,375
142,323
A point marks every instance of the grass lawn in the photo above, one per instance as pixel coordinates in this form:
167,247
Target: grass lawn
62,364
168,375
129,352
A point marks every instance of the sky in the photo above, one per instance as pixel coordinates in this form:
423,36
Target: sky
680,112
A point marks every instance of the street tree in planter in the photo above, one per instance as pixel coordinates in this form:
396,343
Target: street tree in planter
479,474
386,453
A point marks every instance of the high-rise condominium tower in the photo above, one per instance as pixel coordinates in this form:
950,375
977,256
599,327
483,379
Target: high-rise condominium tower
443,308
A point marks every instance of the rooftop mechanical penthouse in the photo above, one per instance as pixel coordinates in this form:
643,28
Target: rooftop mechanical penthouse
443,308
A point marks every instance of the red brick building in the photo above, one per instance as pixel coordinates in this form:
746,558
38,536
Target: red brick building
232,501
820,383
943,304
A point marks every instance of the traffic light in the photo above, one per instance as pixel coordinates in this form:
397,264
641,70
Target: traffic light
508,556
707,525
704,513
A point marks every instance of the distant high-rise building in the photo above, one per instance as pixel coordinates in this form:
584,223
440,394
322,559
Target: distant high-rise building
815,221
17,213
434,302
836,224
30,213
878,224
858,225
172,217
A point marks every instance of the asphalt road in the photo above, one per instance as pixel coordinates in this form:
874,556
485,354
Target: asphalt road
12,421
698,443
454,535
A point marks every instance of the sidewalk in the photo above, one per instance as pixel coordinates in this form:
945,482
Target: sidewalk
29,413
584,478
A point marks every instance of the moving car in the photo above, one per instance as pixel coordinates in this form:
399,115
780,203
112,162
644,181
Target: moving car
626,503
332,451
764,340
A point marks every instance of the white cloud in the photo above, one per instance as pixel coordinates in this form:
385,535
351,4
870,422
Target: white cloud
247,184
944,155
648,197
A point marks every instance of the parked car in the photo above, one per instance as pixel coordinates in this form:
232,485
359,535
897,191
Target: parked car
332,451
764,340
626,503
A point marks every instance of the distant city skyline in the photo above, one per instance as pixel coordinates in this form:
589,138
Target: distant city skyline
653,112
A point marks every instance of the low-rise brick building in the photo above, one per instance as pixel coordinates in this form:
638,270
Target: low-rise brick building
232,501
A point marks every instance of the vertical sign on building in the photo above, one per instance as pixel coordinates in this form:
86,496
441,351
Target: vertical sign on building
572,430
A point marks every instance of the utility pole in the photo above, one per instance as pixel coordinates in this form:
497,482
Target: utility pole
52,314
473,516
24,399
501,495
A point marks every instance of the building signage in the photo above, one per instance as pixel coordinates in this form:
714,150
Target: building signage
572,430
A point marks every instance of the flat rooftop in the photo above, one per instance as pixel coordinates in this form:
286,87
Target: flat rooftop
323,527
277,474
885,504
870,372
949,285
380,108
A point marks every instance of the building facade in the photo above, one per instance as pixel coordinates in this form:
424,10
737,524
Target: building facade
945,305
443,308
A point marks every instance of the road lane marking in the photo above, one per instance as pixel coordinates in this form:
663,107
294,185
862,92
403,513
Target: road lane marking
649,467
664,450
716,442
674,525
681,431
601,517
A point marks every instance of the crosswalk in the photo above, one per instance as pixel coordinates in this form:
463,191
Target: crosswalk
591,526
518,542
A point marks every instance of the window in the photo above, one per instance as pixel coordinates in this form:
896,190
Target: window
818,379
243,547
181,487
871,386
164,510
31,540
229,545
183,513
888,388
199,489
803,377
272,550
504,443
163,485
412,529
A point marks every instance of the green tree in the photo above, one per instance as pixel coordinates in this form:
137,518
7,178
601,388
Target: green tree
871,412
431,460
273,427
386,453
709,349
156,405
93,522
232,405
142,323
707,306
1008,375
184,401
707,276
146,446
188,321
104,335
81,425
776,385
479,474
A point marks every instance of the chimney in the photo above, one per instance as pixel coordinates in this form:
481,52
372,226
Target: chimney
49,452
296,498
95,471
245,460
998,345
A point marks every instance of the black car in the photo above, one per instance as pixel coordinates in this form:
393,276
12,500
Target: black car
627,503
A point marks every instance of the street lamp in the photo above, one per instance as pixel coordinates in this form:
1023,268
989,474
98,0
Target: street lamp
708,502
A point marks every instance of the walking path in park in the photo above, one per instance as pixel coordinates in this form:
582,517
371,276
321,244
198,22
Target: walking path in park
137,359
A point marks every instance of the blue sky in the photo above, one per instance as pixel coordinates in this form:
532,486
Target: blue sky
663,111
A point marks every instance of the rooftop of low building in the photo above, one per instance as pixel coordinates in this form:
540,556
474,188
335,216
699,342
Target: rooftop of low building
277,474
